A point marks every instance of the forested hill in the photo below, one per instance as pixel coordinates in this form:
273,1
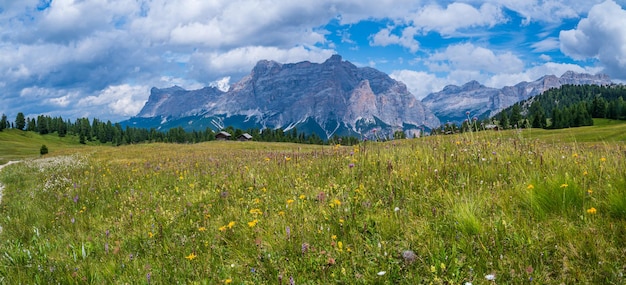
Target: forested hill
568,106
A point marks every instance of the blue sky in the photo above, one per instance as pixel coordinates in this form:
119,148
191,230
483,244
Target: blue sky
99,58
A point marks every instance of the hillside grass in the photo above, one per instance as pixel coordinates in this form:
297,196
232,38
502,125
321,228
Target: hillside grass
18,145
519,206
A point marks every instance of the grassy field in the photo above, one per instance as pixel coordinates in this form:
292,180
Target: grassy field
535,206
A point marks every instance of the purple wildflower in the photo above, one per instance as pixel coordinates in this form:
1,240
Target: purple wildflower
76,198
288,230
148,277
351,165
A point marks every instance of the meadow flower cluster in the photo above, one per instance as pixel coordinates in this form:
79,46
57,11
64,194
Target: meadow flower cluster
441,210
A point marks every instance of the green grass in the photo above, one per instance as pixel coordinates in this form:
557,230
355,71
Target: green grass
603,130
18,145
255,213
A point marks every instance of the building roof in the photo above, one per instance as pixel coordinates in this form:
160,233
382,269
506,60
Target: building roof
246,136
223,133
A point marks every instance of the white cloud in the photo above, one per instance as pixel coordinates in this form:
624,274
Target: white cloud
385,38
221,84
456,16
551,11
545,57
419,83
548,44
469,57
602,35
121,100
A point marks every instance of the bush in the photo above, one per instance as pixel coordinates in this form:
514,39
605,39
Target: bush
43,150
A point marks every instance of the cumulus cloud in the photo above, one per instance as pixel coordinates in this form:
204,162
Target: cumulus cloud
121,100
420,83
384,38
470,57
456,16
602,35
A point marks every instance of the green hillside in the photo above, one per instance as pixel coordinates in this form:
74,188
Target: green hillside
17,145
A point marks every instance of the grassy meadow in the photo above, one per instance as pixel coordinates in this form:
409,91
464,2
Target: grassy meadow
509,207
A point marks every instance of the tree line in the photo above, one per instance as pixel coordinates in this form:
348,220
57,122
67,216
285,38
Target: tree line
107,132
557,108
569,106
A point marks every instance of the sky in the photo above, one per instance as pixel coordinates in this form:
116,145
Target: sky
99,58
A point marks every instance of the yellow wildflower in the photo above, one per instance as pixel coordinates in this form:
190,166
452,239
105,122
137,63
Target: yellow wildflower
302,197
589,191
222,228
564,185
336,202
530,186
150,234
289,201
603,159
256,212
281,213
592,211
341,221
585,173
333,237
201,229
287,158
267,159
191,256
253,223
228,281
340,246
231,225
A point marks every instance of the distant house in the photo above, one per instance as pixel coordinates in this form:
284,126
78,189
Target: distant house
244,137
491,127
222,136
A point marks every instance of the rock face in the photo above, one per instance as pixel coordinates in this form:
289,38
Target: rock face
331,98
452,103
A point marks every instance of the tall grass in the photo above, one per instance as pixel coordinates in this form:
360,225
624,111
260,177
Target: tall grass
468,206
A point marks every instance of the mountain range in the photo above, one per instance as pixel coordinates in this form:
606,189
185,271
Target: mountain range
330,98
453,102
333,98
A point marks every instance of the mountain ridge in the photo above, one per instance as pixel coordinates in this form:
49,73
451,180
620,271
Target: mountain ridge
452,103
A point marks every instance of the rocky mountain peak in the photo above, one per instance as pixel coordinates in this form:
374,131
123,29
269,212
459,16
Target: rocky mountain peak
335,58
331,98
472,85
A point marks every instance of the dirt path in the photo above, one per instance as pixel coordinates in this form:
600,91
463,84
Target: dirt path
2,186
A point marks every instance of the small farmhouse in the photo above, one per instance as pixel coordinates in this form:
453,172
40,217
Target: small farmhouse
244,137
222,136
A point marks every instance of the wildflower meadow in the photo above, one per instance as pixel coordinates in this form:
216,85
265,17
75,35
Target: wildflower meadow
474,208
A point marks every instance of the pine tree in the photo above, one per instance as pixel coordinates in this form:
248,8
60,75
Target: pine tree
3,122
20,121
